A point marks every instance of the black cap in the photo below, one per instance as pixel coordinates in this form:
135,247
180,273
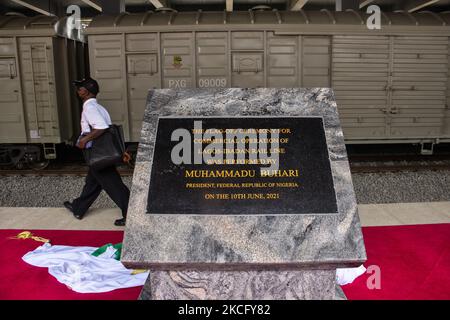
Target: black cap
90,84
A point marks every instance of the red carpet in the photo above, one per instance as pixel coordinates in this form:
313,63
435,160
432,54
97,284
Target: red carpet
20,280
414,263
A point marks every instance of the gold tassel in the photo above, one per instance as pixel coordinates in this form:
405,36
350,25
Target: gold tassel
138,271
28,235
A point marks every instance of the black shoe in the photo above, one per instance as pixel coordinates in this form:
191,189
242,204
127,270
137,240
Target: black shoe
120,222
78,216
69,207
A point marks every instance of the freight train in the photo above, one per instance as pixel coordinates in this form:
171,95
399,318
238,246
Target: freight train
39,57
391,84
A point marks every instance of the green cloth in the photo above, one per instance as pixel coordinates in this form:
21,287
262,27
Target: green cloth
102,249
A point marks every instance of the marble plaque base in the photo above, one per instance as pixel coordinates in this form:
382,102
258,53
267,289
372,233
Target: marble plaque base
242,285
277,255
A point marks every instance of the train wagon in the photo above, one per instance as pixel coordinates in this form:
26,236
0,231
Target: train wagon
39,57
391,84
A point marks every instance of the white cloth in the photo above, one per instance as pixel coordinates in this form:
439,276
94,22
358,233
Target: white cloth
94,115
348,275
83,272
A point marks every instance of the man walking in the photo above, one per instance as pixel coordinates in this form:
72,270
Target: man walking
94,121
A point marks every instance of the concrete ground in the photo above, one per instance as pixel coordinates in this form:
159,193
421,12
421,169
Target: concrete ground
103,219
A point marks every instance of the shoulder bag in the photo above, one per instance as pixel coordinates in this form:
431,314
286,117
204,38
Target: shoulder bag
107,150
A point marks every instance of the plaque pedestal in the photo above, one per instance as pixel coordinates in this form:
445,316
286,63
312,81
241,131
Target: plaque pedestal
284,248
240,285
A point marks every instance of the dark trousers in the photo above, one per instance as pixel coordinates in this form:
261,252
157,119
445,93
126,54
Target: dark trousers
107,179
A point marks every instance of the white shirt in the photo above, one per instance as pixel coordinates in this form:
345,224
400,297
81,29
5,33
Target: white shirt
94,115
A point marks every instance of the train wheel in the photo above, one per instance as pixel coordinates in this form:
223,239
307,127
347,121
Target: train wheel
39,165
20,165
7,166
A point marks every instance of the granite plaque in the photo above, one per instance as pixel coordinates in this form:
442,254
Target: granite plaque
282,248
247,165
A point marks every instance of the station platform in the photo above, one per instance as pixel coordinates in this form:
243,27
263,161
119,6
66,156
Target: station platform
102,219
407,242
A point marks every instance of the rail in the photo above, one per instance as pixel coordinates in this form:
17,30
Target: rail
358,164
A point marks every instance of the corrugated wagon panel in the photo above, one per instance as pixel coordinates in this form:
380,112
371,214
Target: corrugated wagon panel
12,122
360,79
39,93
419,81
241,40
143,73
107,62
141,42
7,47
212,59
177,60
315,61
282,64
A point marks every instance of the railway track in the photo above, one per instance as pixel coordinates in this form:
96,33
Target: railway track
396,163
358,164
56,172
376,168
